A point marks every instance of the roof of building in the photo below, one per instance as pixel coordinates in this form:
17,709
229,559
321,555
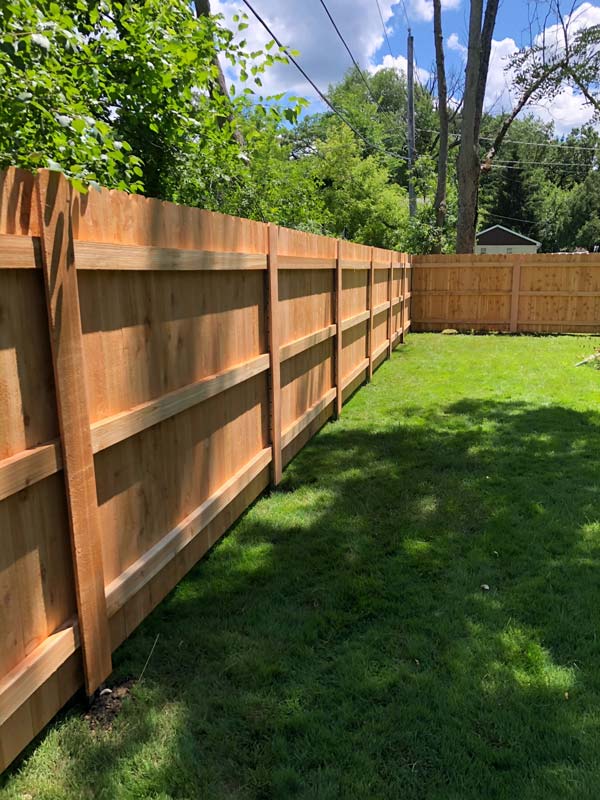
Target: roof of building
499,235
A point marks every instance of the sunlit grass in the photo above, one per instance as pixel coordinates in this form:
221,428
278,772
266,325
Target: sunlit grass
413,615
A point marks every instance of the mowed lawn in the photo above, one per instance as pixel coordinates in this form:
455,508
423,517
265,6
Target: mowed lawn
338,642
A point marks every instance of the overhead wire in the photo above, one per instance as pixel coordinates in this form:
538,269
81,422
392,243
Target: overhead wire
323,97
384,28
519,141
345,43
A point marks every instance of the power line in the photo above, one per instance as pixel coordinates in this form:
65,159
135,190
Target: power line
384,29
503,216
405,14
540,164
540,144
354,61
519,141
323,97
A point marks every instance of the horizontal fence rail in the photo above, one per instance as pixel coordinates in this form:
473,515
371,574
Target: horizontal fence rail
523,293
159,366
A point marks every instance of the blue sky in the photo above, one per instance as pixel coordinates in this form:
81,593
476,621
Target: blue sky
305,27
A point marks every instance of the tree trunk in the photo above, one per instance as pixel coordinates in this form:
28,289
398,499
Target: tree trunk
440,203
478,60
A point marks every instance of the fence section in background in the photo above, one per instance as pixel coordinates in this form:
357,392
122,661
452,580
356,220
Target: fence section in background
158,366
518,293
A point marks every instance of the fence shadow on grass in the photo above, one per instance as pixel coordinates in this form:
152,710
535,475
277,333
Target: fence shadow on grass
339,644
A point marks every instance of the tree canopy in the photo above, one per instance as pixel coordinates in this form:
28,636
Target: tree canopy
128,95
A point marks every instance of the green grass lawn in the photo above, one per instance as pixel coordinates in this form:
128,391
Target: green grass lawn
338,644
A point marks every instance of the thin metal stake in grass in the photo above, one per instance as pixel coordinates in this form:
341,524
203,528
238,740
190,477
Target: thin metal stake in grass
148,659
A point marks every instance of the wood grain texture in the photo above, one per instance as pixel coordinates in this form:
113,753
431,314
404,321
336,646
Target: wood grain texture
514,299
165,366
390,330
21,682
29,466
121,426
515,292
306,262
19,252
312,413
138,574
274,326
339,338
305,342
371,314
351,322
106,256
54,197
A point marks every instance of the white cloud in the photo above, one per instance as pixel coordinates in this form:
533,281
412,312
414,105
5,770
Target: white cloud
568,109
310,32
423,9
454,43
399,63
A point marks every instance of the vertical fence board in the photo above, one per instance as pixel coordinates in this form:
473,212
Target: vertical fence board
370,347
514,296
60,278
274,345
339,334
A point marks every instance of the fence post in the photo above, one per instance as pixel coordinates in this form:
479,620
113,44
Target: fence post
54,196
514,297
391,299
274,345
371,292
339,285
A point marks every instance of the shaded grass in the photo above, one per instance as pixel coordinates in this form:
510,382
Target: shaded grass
338,644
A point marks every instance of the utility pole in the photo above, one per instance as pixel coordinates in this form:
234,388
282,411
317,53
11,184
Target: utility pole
412,200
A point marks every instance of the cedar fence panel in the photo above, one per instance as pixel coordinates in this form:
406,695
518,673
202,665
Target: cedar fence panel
523,293
171,359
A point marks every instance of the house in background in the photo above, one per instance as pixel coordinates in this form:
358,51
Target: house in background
499,239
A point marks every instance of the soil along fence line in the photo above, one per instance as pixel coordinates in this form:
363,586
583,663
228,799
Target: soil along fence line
518,293
159,365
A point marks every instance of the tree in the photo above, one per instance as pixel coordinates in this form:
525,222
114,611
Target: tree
476,71
118,92
440,204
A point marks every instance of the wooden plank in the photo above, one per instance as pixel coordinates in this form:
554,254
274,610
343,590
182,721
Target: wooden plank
381,308
54,197
111,430
104,256
565,323
351,376
19,252
391,306
17,686
348,263
305,262
339,287
514,299
556,293
305,342
404,287
29,466
313,412
274,349
350,322
371,315
138,574
457,293
381,349
472,324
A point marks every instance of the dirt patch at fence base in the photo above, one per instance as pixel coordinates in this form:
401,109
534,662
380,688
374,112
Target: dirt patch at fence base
107,705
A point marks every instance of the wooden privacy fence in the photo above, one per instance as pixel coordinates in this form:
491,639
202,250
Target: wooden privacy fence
517,293
159,365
